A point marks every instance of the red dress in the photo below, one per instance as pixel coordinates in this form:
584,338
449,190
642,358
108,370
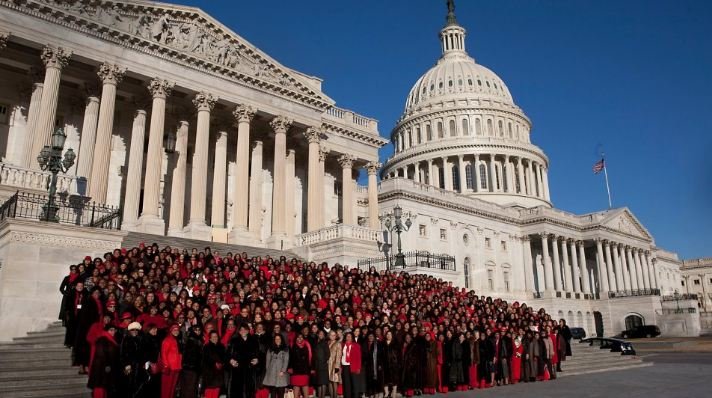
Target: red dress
518,352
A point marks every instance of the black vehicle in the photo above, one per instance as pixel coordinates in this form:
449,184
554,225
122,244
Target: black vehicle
611,344
578,333
641,331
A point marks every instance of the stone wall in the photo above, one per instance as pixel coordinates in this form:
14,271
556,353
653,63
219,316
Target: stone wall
34,258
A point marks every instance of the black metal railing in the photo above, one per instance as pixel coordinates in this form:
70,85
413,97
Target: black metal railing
672,311
680,297
413,259
634,293
70,210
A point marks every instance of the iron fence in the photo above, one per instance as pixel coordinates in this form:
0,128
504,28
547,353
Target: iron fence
680,297
413,259
634,293
69,210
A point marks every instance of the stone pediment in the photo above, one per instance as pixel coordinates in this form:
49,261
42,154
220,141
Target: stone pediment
622,220
182,34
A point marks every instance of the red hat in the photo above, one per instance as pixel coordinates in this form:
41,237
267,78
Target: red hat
300,317
123,250
110,303
175,326
141,245
87,258
126,315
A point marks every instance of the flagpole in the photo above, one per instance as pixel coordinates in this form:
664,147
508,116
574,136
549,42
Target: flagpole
608,188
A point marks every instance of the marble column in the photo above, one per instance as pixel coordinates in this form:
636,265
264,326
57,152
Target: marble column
492,174
548,269
644,268
568,281
150,222
241,180
323,153
347,188
416,175
54,59
197,227
476,178
585,277
135,169
290,196
520,176
635,273
255,222
609,269
627,274
531,191
280,125
575,266
651,269
545,180
33,114
430,173
619,270
314,212
217,212
177,213
557,262
110,76
372,169
528,266
88,138
462,173
603,268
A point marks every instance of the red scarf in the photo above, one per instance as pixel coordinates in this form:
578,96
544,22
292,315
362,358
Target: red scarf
306,343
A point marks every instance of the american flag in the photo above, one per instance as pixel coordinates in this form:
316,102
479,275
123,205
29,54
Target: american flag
599,166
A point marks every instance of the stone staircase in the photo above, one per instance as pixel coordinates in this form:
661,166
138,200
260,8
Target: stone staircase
587,359
134,238
38,365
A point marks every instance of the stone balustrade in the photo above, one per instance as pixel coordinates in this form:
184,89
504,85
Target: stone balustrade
29,179
349,118
337,232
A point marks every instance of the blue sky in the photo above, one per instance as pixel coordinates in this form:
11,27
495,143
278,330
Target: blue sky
633,76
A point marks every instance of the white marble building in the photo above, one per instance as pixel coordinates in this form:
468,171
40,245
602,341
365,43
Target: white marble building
467,173
194,132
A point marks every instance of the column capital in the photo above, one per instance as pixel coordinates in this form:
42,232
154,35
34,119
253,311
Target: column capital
346,161
110,73
525,238
160,88
55,57
570,240
545,235
323,153
4,36
373,167
244,113
313,135
580,243
139,112
281,124
204,101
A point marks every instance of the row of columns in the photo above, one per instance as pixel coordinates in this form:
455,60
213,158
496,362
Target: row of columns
510,174
626,268
95,153
575,277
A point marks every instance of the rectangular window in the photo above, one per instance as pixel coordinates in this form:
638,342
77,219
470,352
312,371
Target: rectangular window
429,132
468,176
488,243
455,179
422,230
490,279
483,177
697,282
506,280
443,234
504,245
441,177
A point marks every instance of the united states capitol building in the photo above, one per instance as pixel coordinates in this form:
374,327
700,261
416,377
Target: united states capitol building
184,129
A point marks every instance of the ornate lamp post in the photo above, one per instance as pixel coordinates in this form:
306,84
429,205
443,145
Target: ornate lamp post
50,158
169,143
394,223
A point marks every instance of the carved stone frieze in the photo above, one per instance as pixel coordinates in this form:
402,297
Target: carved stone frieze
61,241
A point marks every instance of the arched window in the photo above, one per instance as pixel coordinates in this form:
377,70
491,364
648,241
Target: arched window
490,128
453,129
509,127
501,128
408,139
478,127
469,82
428,132
465,127
440,130
418,135
441,177
468,176
456,179
483,176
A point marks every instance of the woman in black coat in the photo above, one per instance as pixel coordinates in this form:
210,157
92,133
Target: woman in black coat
485,369
457,367
151,347
300,366
372,361
410,366
391,364
89,313
105,366
321,364
213,364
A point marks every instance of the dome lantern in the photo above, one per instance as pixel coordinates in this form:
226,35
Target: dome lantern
452,36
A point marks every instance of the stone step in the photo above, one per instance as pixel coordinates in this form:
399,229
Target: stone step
69,392
33,364
38,344
39,384
34,374
54,338
22,355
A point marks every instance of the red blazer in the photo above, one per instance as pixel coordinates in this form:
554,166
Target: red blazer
170,356
355,358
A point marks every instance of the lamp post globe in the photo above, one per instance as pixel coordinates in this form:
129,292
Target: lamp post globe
50,159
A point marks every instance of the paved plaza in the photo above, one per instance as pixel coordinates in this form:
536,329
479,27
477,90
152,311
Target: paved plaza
672,375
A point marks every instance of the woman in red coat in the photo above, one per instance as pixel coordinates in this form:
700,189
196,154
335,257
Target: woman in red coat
351,368
516,360
171,360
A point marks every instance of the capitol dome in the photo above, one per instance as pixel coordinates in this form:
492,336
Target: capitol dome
461,131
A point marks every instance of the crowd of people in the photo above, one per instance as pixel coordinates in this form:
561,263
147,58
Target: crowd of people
151,322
